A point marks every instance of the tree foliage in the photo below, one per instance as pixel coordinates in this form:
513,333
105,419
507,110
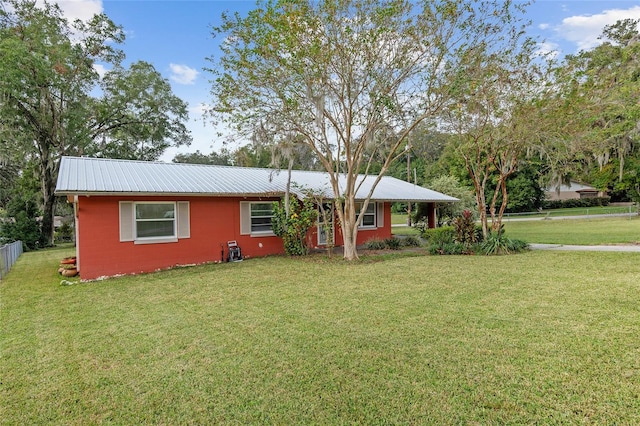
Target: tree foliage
46,95
19,221
449,185
592,117
292,224
350,79
495,95
222,158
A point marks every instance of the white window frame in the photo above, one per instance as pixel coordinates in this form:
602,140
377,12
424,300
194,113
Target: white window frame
374,213
129,222
164,238
246,216
320,224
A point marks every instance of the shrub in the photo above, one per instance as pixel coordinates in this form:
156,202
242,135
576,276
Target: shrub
498,243
576,202
375,244
465,229
64,233
393,243
448,248
411,241
20,222
444,234
293,228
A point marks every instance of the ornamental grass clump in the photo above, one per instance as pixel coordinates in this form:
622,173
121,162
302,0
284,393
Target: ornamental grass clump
375,244
411,241
498,243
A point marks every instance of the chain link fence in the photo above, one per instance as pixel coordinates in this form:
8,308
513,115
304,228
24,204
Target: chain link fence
9,253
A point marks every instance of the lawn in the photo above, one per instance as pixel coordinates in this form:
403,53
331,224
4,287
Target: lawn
401,218
593,231
540,337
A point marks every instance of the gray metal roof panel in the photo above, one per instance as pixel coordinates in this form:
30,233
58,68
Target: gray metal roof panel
80,175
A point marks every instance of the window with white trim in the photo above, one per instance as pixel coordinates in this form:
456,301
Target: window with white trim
255,218
261,215
154,221
369,216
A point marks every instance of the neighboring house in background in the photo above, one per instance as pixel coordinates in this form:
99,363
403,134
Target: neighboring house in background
137,216
572,191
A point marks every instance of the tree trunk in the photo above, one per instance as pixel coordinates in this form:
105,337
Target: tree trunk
350,235
48,173
492,206
482,212
287,193
49,199
496,223
349,227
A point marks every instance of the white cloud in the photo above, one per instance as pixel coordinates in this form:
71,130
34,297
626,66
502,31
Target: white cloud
548,49
584,30
183,74
200,109
100,69
78,9
543,26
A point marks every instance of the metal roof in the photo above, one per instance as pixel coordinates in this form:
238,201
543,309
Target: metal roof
100,176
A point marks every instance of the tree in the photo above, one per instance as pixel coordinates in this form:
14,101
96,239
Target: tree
449,185
494,100
592,115
46,102
9,175
350,78
223,158
137,117
20,219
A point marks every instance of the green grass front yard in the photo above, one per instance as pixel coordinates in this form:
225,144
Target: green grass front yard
542,337
595,231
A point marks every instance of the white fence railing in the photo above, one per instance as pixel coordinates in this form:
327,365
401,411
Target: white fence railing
9,253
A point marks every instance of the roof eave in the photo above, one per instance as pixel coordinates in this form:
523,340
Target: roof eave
220,195
166,194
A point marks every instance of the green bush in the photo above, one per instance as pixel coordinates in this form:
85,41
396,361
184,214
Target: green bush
375,244
64,233
576,202
20,222
498,243
465,229
443,241
411,241
393,243
444,234
450,248
293,228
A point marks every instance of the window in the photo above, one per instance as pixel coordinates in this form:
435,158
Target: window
369,216
326,232
255,218
154,222
261,214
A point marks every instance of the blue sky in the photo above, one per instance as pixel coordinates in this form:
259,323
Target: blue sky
175,36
